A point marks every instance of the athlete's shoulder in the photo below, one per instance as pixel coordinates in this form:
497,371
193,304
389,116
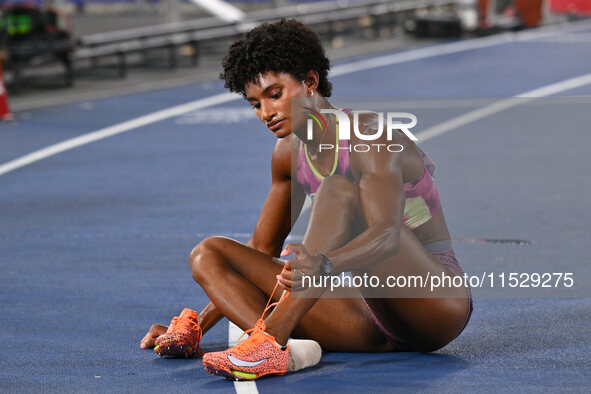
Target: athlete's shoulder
281,160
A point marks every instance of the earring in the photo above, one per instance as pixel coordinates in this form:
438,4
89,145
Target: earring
312,94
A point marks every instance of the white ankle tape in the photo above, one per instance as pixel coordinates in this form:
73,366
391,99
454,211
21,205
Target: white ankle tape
303,353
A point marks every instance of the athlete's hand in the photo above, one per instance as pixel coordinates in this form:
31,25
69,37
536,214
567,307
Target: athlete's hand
303,263
149,340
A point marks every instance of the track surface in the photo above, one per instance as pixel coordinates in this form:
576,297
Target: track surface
94,241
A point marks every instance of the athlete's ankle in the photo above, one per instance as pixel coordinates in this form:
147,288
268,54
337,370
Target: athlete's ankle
279,339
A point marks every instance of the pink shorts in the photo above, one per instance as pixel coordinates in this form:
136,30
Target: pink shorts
445,254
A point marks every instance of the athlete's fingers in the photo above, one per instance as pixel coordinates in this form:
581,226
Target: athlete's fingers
286,251
283,282
149,340
289,249
291,279
286,271
286,276
298,250
297,281
305,265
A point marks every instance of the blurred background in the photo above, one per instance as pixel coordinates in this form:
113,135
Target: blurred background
61,51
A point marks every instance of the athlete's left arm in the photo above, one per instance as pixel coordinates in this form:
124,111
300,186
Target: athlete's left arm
381,194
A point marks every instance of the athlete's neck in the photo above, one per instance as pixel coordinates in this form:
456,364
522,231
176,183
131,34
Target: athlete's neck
321,133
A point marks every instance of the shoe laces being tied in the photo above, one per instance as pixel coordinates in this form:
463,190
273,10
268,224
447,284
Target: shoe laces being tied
260,326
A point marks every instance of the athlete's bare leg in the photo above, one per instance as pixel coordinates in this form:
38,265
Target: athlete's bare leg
238,280
426,324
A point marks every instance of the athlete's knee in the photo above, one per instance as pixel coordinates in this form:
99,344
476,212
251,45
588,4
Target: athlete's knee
338,189
447,329
200,264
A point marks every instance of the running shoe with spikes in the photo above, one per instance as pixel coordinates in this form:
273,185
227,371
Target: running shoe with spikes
256,356
182,337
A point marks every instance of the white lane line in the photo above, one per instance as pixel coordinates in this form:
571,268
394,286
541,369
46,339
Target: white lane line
246,387
558,87
381,61
502,105
343,69
114,130
455,47
234,332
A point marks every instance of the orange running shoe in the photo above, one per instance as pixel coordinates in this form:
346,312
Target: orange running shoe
182,337
256,356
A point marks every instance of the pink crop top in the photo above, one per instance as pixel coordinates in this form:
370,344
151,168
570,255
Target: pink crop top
422,198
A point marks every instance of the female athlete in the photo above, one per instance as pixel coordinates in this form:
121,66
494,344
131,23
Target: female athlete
374,213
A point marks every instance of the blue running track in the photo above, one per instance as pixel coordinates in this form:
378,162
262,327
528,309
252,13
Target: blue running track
94,241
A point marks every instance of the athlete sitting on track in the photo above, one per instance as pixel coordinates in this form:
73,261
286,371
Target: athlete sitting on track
375,213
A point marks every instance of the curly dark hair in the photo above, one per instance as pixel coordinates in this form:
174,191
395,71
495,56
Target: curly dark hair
286,46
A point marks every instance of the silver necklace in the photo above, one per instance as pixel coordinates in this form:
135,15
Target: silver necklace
314,155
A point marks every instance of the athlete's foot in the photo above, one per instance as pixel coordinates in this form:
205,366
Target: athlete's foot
261,355
256,356
182,337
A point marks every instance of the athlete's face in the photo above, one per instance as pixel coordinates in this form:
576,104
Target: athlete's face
270,98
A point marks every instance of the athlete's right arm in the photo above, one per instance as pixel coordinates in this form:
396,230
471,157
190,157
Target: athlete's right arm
282,206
